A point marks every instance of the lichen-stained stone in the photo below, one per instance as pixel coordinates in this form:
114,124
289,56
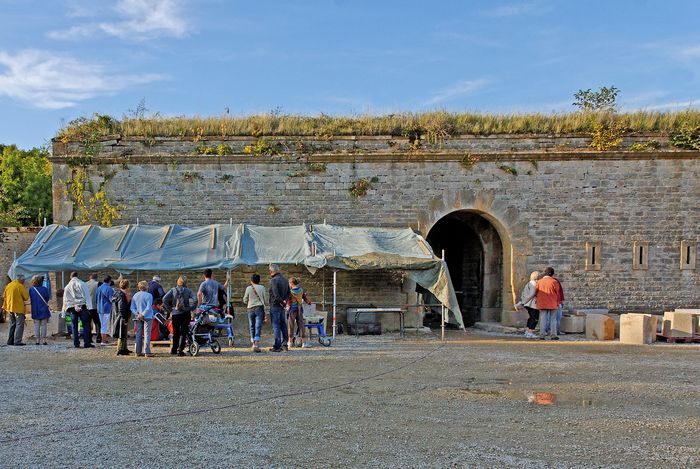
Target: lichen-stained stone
600,327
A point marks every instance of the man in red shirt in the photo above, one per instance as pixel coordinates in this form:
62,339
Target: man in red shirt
548,296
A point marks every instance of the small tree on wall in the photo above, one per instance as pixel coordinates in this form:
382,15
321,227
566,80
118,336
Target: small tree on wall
601,100
606,134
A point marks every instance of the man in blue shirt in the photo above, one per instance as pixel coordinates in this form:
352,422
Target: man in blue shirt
142,312
103,298
156,289
208,293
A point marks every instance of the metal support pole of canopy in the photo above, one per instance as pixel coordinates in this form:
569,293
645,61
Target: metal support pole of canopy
335,283
228,289
442,307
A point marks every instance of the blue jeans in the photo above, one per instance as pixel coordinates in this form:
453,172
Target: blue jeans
547,316
143,331
279,325
84,317
256,314
559,313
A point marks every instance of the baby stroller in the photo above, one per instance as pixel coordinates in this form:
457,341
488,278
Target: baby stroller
202,332
224,320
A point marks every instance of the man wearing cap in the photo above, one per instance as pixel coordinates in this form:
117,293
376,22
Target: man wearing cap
77,302
156,289
14,299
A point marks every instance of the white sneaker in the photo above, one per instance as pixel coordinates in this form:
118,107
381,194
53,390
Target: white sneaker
306,345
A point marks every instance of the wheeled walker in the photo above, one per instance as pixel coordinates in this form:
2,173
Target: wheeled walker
313,322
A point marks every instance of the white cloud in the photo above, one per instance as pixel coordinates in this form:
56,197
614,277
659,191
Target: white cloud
457,90
691,103
45,80
511,9
137,20
688,52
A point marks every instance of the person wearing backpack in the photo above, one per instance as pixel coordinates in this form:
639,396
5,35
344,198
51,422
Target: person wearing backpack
179,302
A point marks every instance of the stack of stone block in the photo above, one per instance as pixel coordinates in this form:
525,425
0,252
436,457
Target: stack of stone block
681,324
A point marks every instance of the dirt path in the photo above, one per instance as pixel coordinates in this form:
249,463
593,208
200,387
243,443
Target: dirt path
372,402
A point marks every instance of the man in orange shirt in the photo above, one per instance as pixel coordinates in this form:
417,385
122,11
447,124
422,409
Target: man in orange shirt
548,294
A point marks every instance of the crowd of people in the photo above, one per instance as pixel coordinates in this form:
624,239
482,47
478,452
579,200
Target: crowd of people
110,306
543,298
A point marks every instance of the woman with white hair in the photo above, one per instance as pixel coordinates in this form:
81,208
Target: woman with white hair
39,297
529,301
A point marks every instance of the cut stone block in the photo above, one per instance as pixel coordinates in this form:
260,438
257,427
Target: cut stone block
637,328
573,324
616,318
678,324
696,313
600,327
518,318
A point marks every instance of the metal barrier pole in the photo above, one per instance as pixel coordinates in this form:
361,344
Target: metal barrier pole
335,283
442,307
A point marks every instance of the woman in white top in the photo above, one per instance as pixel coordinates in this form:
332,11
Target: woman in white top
255,297
529,301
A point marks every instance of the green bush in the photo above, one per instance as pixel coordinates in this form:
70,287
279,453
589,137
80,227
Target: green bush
25,186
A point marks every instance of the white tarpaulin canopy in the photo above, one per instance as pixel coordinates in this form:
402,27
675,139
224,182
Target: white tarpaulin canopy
130,248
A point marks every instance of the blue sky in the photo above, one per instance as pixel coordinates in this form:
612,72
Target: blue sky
62,59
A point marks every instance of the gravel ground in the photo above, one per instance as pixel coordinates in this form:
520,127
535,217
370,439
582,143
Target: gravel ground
368,402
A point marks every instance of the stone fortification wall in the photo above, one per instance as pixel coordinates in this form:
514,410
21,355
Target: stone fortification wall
548,197
13,241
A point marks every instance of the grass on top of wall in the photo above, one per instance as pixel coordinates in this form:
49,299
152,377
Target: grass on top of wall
435,125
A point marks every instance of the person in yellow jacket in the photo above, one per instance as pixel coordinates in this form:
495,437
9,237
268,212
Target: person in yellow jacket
14,301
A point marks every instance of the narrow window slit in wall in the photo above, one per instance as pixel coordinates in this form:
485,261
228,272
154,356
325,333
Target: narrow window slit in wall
593,255
688,254
641,255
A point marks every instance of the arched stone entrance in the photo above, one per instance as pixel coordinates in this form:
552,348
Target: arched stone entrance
474,256
505,223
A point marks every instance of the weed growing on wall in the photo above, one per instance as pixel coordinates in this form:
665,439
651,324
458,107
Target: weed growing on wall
317,167
263,147
191,176
360,187
687,137
220,150
650,145
512,170
607,136
93,208
468,161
